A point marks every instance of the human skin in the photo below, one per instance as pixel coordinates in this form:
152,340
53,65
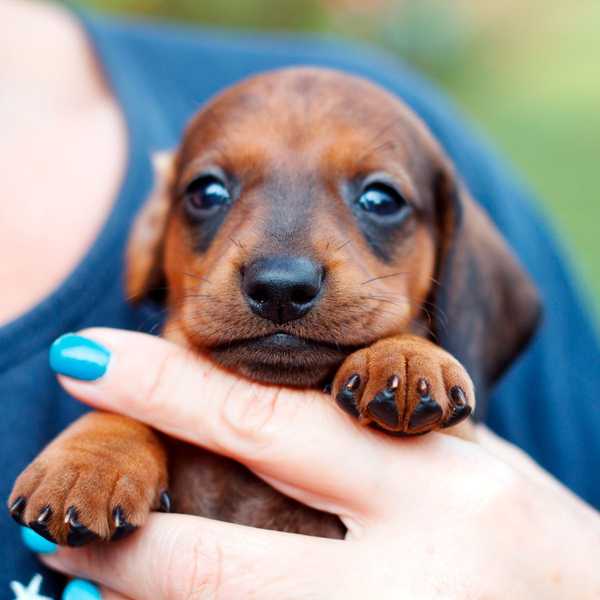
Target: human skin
63,140
427,516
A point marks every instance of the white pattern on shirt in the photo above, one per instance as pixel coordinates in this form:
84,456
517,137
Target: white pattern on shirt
31,592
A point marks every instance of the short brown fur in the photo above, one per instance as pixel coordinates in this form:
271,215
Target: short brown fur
418,314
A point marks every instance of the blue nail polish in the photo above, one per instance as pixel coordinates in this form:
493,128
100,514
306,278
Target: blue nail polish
80,589
78,357
36,543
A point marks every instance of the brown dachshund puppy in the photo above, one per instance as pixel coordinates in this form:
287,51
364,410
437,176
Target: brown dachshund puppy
309,231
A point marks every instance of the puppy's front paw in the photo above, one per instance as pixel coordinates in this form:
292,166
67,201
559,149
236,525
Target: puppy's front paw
90,488
405,385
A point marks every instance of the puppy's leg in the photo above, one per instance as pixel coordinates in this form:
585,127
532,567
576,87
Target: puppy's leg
406,385
97,480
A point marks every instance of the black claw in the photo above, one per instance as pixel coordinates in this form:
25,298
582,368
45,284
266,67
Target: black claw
16,509
345,397
459,413
353,382
460,408
393,383
79,534
383,407
423,388
122,526
165,502
40,525
457,395
426,413
44,516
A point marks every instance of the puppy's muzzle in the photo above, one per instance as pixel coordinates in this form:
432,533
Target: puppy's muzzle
282,288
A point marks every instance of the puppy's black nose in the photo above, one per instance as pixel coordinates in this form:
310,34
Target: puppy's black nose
282,288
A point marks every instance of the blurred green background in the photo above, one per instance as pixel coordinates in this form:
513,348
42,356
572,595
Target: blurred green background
527,71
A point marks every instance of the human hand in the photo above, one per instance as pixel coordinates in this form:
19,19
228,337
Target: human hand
427,517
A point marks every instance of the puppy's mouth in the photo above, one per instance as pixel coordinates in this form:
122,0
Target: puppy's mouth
283,358
282,341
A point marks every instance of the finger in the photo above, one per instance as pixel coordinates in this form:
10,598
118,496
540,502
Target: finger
521,461
512,455
298,441
176,556
106,594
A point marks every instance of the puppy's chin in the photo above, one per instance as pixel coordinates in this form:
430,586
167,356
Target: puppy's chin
282,359
292,377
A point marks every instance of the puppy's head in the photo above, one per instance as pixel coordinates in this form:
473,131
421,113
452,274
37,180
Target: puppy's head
308,213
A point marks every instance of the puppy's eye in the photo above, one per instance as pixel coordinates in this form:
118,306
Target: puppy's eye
205,196
382,200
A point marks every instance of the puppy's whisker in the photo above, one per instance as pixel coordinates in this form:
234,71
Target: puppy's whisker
437,311
149,291
429,327
237,243
155,327
385,294
143,326
387,126
196,276
392,307
384,277
392,310
401,302
190,296
348,241
388,144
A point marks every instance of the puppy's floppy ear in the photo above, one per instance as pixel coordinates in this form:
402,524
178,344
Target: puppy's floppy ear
145,275
486,306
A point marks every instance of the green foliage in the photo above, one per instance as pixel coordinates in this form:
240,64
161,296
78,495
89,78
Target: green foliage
253,14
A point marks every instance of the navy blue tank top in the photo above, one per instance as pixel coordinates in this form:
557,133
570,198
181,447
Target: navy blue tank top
548,403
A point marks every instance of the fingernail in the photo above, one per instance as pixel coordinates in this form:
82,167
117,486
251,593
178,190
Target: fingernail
36,543
80,589
79,357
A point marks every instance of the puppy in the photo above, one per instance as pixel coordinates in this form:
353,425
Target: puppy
309,231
